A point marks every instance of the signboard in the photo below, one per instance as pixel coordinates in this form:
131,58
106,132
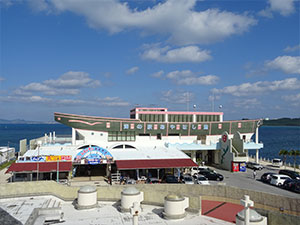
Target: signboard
93,155
54,158
49,158
235,167
243,167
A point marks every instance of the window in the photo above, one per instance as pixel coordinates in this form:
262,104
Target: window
121,136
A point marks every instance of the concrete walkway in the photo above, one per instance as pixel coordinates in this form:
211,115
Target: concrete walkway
269,164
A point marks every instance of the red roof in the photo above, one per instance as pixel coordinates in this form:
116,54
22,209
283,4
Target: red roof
154,163
41,167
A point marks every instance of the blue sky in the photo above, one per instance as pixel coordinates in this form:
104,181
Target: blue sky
103,58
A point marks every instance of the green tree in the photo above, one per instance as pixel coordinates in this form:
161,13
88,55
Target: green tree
284,153
294,154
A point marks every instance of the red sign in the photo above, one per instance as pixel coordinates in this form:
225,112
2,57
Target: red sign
224,138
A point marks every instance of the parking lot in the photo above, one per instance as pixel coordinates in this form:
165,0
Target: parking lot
245,180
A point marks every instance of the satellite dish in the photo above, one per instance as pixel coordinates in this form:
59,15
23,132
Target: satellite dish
194,106
220,106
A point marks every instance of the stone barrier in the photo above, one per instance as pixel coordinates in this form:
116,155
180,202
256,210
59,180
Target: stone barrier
154,194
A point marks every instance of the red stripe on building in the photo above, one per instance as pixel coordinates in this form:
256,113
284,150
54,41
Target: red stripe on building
154,163
41,167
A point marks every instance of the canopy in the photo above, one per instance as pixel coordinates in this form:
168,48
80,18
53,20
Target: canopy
154,164
40,167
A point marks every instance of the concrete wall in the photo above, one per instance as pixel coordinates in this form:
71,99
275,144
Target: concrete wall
154,194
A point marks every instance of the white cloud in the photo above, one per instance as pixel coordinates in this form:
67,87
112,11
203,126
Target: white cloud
248,89
184,54
293,99
132,70
177,97
246,103
112,101
284,7
1,79
158,74
69,83
292,48
178,20
107,101
288,64
187,77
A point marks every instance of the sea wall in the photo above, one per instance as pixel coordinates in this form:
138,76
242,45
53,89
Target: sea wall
155,193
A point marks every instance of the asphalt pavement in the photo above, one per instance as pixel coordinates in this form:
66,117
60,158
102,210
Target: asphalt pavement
245,180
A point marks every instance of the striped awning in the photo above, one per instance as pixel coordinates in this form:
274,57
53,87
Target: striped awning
40,167
154,164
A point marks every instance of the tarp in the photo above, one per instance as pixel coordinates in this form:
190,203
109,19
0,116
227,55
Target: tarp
154,164
40,167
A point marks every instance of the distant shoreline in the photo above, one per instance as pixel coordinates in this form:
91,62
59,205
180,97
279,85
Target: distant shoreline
282,122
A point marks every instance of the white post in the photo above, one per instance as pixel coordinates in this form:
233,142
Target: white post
193,156
256,142
247,203
73,136
135,210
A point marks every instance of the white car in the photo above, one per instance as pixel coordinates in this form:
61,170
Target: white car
200,179
278,179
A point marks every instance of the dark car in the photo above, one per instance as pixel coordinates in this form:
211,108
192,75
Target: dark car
211,175
287,184
292,185
170,179
152,180
290,173
266,177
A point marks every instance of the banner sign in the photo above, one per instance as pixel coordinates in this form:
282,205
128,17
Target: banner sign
49,158
93,155
54,158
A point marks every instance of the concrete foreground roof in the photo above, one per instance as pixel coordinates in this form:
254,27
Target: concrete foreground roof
21,208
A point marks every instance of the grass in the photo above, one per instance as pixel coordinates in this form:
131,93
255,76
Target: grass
6,164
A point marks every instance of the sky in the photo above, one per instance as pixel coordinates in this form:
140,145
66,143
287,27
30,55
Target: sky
103,58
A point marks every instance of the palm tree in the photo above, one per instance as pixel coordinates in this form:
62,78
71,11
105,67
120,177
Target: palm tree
297,153
285,153
294,153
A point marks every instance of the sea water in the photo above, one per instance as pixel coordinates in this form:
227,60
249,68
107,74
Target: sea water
273,138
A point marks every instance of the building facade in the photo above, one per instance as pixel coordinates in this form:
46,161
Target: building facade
147,140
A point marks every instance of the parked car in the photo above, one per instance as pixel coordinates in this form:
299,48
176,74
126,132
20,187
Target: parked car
266,177
187,179
292,185
277,162
254,166
200,179
296,186
287,184
290,173
278,179
130,181
171,179
196,170
152,180
211,175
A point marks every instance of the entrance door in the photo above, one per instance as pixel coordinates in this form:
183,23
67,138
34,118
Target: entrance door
210,157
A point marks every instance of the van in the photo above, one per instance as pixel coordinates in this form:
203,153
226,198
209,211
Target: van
277,162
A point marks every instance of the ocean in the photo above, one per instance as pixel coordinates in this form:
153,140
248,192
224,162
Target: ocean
274,138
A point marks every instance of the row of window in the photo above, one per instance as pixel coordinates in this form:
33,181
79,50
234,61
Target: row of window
177,118
180,118
207,118
152,117
121,136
